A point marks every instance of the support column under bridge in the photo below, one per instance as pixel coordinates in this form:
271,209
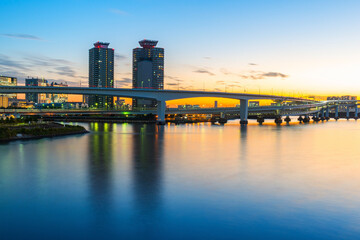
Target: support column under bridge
244,109
161,106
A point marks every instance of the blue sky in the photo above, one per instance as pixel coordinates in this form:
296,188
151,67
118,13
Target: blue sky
294,46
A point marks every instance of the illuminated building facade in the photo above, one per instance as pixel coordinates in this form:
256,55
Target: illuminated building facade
8,81
59,97
34,97
148,70
101,73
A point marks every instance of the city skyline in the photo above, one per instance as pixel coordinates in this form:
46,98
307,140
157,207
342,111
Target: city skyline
253,48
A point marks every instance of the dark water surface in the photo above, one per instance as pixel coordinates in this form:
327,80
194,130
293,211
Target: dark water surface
197,181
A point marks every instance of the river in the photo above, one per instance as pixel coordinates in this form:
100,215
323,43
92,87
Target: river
194,181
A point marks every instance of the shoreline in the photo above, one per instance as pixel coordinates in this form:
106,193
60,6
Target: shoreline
38,131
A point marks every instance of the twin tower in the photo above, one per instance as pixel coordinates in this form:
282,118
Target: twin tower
147,71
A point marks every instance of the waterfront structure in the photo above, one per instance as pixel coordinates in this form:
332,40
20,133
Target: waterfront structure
8,81
59,97
343,98
148,70
161,96
101,73
33,97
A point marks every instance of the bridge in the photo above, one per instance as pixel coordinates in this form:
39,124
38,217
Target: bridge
304,106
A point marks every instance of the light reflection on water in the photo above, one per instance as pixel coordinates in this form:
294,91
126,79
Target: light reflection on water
185,181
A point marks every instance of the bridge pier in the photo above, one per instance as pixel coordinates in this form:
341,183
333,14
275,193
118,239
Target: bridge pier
260,119
347,112
356,112
278,120
287,119
316,117
327,113
161,106
337,112
322,118
244,109
306,119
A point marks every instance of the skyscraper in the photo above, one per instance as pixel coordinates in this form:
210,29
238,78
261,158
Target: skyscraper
101,73
34,97
148,70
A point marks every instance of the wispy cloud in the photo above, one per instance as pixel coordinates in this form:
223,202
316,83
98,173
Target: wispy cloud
118,11
204,71
65,71
253,64
22,36
33,65
120,57
225,71
174,78
263,75
255,75
7,63
123,82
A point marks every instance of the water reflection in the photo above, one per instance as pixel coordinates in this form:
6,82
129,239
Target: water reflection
192,181
147,163
146,153
100,161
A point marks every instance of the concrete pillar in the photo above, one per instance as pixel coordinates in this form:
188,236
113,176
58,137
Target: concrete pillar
161,105
337,112
244,108
356,112
348,112
322,114
222,115
327,113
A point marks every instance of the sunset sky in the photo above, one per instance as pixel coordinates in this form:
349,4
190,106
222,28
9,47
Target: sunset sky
279,46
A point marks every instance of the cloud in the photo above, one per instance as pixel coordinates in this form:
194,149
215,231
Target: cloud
255,75
22,36
204,71
174,78
207,58
253,64
225,71
274,74
118,11
65,71
33,65
10,65
263,75
120,57
36,61
172,84
123,82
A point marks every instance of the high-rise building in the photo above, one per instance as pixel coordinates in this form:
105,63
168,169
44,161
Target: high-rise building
148,70
8,81
101,73
59,97
35,97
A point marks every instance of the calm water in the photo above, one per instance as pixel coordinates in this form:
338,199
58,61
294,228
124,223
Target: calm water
184,182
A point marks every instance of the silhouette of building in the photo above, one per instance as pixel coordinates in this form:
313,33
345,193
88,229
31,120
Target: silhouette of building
35,97
148,70
101,73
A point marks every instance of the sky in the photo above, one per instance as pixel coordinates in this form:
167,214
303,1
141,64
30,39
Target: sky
279,46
